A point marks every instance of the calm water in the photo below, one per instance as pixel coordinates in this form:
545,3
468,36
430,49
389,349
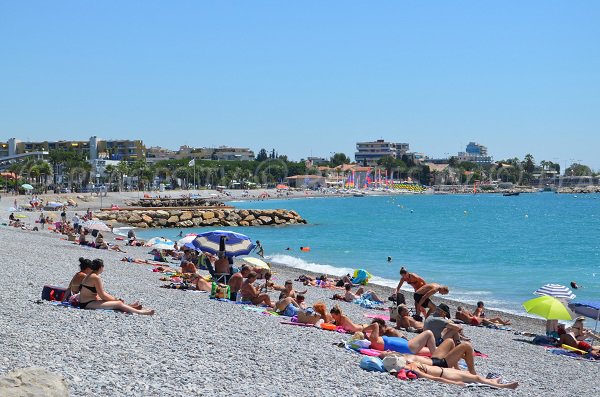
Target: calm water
489,247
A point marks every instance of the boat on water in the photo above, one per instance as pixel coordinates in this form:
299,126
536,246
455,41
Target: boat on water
511,194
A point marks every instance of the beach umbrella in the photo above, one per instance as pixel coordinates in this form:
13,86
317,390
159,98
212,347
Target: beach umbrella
587,308
234,244
164,245
555,290
255,262
54,204
96,225
122,231
156,240
27,186
186,240
547,307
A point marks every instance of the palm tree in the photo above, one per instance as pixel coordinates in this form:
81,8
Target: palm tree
122,170
45,170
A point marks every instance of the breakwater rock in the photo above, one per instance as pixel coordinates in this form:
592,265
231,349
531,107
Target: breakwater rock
579,189
202,217
175,202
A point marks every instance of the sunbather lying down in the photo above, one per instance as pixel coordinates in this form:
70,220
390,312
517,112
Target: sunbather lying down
452,376
447,355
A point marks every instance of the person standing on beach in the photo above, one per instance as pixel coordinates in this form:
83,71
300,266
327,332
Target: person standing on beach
415,281
259,249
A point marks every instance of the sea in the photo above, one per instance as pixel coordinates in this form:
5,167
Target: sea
485,247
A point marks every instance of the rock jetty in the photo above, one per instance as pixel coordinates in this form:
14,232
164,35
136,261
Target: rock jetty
175,202
202,217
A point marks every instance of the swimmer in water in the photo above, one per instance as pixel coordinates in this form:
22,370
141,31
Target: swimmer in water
574,285
389,258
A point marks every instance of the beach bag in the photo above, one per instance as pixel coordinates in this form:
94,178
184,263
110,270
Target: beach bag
393,313
52,293
372,364
220,291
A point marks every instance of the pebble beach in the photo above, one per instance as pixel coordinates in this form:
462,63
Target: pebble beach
197,346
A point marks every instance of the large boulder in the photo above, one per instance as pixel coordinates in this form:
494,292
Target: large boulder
134,218
161,222
208,215
161,214
243,223
147,219
266,220
34,382
249,218
172,220
185,216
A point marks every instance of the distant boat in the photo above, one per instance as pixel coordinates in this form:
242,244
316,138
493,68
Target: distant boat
359,195
511,194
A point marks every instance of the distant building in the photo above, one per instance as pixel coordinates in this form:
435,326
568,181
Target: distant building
316,161
474,153
309,181
370,152
91,149
225,153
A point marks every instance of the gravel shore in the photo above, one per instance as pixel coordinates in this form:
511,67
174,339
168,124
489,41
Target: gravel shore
197,346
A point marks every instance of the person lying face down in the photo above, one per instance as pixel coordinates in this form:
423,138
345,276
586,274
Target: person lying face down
341,320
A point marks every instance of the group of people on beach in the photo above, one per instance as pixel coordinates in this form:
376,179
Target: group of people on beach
440,337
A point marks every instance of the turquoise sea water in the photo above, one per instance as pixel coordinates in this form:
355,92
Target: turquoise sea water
484,247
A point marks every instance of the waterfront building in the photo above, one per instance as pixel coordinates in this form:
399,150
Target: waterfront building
369,153
475,153
94,148
225,153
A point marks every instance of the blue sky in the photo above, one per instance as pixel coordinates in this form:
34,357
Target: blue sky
307,78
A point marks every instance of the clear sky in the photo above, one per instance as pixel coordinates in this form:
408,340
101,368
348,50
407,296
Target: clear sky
307,78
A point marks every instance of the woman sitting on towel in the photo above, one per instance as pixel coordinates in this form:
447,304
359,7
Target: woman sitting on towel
575,336
85,268
381,342
341,320
93,296
251,294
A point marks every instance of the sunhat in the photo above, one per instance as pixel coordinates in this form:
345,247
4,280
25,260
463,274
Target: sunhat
394,363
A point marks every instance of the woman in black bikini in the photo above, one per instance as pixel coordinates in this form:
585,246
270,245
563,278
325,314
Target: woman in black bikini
93,296
455,376
85,268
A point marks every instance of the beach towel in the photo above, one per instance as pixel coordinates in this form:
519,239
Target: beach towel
380,316
577,356
69,306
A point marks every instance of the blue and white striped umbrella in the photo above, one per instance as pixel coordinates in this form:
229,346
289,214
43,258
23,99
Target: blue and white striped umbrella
235,244
556,290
